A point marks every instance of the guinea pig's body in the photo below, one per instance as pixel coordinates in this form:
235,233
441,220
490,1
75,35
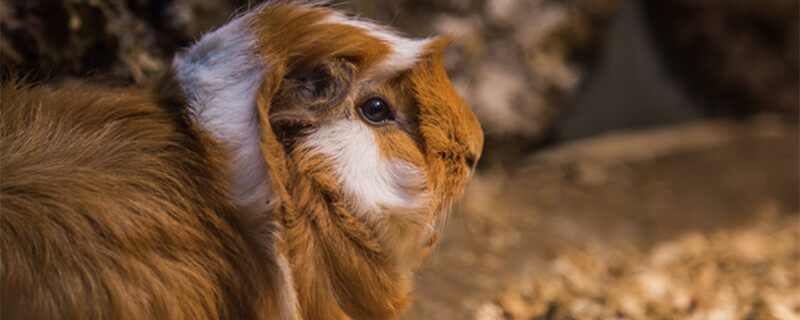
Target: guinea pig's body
292,164
115,207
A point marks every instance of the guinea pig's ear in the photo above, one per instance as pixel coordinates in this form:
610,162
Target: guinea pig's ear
308,95
438,46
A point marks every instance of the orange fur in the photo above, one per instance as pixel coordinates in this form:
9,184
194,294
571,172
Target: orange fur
343,266
113,207
115,203
292,36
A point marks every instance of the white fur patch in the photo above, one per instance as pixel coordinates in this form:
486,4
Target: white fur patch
387,193
373,182
288,298
220,75
405,51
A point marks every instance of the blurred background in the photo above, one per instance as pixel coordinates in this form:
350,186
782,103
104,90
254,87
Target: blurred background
641,158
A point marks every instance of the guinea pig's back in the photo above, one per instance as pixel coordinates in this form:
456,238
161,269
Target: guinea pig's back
114,207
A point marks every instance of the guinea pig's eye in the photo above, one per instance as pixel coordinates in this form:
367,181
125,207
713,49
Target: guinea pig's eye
376,111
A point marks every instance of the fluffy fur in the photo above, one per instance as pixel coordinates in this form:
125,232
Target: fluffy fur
358,203
246,185
220,75
371,181
114,207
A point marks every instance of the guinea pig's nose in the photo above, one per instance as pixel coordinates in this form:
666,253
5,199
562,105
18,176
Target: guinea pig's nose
470,159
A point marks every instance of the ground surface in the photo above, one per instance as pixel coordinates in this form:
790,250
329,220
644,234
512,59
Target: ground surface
698,221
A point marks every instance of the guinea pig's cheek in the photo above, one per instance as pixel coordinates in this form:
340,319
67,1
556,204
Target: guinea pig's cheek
369,180
399,146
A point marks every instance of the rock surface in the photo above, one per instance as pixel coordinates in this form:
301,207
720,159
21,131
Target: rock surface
125,40
736,55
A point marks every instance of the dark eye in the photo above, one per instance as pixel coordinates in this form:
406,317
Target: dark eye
376,111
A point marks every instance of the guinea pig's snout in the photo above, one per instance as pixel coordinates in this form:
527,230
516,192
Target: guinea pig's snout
472,141
471,160
467,158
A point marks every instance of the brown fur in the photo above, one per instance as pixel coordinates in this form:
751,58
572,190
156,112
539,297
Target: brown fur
114,204
291,38
113,208
343,267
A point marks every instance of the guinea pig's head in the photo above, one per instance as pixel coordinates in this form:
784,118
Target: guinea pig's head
376,112
350,131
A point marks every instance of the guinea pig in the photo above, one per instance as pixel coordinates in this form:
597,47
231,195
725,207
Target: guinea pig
293,164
